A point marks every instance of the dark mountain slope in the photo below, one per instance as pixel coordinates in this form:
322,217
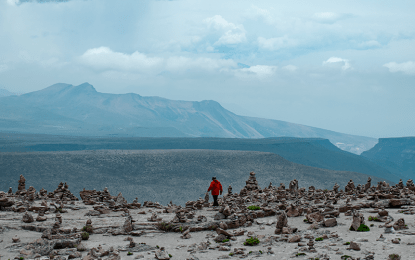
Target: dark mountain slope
395,154
161,175
315,152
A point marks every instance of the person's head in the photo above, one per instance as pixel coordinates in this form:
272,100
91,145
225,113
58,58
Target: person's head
213,178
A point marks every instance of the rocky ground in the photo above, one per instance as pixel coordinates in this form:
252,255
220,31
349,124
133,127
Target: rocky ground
359,222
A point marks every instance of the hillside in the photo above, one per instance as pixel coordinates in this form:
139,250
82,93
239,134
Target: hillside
64,109
315,152
161,175
395,154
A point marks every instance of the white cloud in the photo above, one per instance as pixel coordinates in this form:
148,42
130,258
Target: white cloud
277,43
103,58
231,33
328,17
338,62
263,13
405,67
261,71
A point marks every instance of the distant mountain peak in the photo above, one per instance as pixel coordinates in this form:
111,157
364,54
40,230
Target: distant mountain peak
85,87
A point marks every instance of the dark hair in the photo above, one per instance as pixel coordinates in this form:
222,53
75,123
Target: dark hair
213,178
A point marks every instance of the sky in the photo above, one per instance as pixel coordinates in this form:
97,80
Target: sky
346,66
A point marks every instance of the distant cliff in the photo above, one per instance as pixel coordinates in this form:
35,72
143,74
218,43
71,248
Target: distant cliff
395,154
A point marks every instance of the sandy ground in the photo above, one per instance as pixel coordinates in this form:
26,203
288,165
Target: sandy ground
179,248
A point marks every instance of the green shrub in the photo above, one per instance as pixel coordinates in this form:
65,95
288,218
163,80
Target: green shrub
345,257
170,256
319,239
260,251
250,252
347,243
300,254
21,258
251,241
305,220
393,256
129,253
164,226
87,229
85,236
254,207
231,254
363,228
181,229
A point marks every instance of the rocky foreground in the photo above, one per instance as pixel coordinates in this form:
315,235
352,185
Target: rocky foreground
359,222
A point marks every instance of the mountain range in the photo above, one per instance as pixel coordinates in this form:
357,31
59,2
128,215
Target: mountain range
64,109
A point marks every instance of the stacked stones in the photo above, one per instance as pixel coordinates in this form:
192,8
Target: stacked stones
21,188
251,184
62,193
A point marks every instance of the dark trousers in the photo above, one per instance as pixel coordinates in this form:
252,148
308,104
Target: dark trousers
215,200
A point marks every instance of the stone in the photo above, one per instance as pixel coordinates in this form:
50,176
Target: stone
331,222
358,219
354,246
294,239
27,218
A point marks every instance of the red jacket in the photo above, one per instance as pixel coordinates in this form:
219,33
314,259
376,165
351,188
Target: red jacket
215,187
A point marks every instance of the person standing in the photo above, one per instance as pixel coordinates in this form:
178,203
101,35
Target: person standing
216,188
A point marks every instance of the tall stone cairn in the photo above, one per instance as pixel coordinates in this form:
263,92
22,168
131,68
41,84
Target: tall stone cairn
22,183
252,183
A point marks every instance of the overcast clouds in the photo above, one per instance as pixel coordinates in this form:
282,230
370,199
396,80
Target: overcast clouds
347,66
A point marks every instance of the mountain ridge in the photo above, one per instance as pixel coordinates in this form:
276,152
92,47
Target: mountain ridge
81,110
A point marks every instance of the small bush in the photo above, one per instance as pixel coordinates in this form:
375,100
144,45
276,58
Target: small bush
225,240
21,258
85,236
231,254
260,251
181,229
157,246
394,256
363,228
254,207
347,243
250,252
345,257
129,253
319,239
170,256
305,220
300,254
164,226
251,241
371,218
372,225
87,229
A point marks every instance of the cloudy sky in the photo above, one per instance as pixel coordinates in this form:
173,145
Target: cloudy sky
347,66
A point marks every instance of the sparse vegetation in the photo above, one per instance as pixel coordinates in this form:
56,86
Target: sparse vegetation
319,239
372,225
181,229
345,257
251,241
254,207
85,236
170,256
164,226
87,229
129,253
371,218
231,254
363,228
347,243
260,251
300,254
394,257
